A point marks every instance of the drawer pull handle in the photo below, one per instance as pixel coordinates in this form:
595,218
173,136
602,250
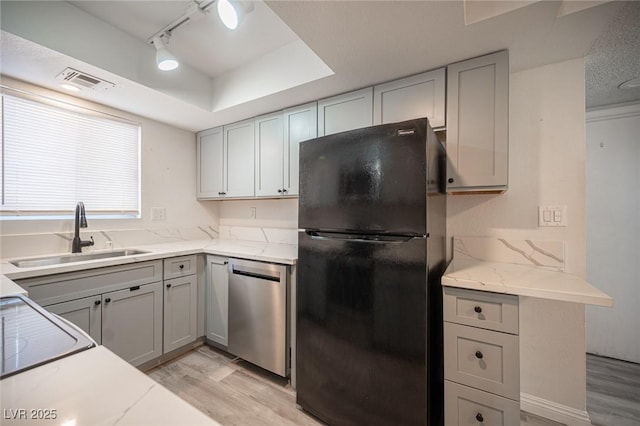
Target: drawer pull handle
478,309
181,266
107,300
168,285
479,418
479,355
97,302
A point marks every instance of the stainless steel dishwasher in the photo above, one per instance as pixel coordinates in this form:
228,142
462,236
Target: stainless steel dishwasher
258,314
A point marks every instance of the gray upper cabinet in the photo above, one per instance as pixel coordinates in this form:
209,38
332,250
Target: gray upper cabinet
210,163
418,96
300,124
239,159
269,154
478,124
277,138
345,112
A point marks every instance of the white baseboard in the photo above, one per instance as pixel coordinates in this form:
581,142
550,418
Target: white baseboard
554,411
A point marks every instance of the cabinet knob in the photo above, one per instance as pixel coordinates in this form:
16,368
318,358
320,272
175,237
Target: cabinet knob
97,302
107,300
479,355
222,193
284,191
279,191
479,418
478,309
168,285
181,266
451,180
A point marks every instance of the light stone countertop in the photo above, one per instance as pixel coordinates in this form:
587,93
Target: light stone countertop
522,280
267,252
93,387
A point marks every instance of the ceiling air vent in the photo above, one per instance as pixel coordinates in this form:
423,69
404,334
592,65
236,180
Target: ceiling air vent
83,80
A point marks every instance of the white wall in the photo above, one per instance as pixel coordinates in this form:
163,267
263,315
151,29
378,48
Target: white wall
546,167
168,180
613,229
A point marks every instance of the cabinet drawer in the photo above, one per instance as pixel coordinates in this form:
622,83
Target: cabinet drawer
482,309
484,359
176,267
467,406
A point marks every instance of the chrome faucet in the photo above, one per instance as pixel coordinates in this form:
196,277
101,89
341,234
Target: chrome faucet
80,222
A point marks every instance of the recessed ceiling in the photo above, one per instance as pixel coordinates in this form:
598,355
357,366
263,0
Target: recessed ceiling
342,45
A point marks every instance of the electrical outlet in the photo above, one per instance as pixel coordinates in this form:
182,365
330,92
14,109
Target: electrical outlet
158,213
552,215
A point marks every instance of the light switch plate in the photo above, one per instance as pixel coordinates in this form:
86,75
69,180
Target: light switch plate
158,214
552,215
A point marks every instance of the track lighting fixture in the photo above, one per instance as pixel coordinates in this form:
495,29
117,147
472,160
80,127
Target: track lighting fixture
164,59
230,12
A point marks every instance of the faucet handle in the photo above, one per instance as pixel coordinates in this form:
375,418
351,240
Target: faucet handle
87,243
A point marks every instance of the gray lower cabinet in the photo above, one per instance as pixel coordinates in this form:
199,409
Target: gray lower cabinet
217,300
86,313
132,322
180,312
121,307
481,358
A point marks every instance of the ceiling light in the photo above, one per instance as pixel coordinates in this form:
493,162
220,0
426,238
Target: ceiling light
230,13
634,83
164,59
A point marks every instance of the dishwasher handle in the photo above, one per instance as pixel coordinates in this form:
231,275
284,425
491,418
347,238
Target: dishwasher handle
255,273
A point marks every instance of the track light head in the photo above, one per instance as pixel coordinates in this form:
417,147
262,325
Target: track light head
164,59
230,13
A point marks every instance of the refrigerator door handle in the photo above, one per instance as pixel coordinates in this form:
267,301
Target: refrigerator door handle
362,238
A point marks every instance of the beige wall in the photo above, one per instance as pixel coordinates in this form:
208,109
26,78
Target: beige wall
168,180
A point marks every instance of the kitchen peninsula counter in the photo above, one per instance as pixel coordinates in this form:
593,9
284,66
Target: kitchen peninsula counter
93,387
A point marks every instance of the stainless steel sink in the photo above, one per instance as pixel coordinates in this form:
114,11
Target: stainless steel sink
70,258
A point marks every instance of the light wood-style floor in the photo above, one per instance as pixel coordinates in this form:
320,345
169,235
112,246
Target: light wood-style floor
231,391
613,392
234,392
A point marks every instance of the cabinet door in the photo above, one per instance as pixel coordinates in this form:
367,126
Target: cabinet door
418,96
239,159
180,312
269,154
210,158
132,322
477,123
345,112
217,294
86,313
300,124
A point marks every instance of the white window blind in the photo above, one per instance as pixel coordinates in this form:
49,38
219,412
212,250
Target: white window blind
53,157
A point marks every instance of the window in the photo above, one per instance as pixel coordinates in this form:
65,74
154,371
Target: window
54,156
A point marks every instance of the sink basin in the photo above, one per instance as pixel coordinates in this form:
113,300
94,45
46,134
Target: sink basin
70,258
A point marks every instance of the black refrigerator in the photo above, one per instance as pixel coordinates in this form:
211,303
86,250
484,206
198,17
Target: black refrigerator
371,252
